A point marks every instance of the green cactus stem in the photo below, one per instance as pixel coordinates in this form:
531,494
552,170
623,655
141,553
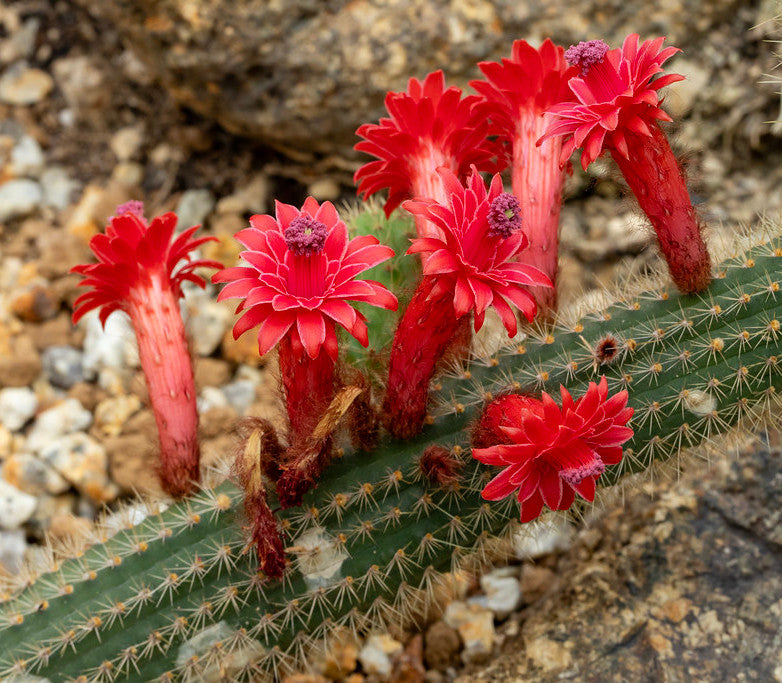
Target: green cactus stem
178,596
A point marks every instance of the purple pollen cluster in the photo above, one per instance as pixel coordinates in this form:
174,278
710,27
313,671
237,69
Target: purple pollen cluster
504,215
586,54
305,236
133,206
575,475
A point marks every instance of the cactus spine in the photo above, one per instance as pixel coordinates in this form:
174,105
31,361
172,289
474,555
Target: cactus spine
179,596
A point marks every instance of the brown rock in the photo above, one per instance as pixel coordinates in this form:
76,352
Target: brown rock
211,372
408,665
22,366
35,304
61,251
535,582
217,421
89,395
305,678
133,463
242,350
143,422
55,332
442,646
68,529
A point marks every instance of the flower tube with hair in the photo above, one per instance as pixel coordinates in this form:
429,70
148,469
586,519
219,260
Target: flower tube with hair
473,266
518,91
617,108
138,272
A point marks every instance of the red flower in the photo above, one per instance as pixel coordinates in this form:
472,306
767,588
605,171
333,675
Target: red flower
616,95
475,259
429,126
300,276
139,272
518,92
131,254
552,453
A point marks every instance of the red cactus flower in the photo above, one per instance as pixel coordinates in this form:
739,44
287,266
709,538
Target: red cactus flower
549,452
471,268
618,109
429,126
300,275
138,272
518,92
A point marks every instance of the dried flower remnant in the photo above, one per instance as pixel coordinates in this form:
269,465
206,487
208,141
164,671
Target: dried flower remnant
471,268
518,91
300,276
617,108
429,126
139,272
550,453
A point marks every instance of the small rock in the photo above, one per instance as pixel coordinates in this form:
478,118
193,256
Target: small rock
19,197
502,591
21,41
112,414
375,655
12,550
7,445
17,406
243,350
324,189
83,462
16,507
58,187
22,85
252,198
546,535
63,366
111,347
240,394
680,97
211,372
210,398
27,157
32,475
340,656
22,365
87,394
126,142
193,208
475,625
207,322
133,462
35,304
64,418
535,582
81,81
442,646
68,528
128,174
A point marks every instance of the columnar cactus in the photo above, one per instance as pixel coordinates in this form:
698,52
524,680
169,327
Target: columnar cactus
178,594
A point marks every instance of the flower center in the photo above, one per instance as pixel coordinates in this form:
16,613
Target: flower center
305,236
504,215
586,54
575,475
133,206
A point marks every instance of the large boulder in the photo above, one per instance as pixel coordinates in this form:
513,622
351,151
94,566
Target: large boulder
303,74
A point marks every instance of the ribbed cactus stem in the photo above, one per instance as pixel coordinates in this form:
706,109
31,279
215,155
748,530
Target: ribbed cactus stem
657,181
180,595
537,180
423,335
163,352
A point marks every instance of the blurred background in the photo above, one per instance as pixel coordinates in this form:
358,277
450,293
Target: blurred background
214,108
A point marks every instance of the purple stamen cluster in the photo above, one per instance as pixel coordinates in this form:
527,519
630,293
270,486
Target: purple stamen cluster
504,215
586,54
134,206
575,475
305,236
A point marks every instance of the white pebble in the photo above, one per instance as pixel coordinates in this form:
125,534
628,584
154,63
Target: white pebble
62,419
27,157
548,534
19,197
16,507
17,406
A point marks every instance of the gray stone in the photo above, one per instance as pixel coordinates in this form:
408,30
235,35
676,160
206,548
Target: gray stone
63,366
64,418
501,591
12,548
33,475
84,463
206,322
21,42
16,507
548,534
193,207
110,346
58,187
240,394
18,198
17,406
22,85
27,157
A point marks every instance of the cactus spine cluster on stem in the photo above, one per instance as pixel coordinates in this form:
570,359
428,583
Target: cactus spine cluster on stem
179,594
